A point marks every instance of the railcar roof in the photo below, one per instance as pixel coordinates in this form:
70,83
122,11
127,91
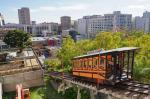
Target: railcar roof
108,51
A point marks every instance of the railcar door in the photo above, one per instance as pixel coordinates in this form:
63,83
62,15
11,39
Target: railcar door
123,63
127,64
113,65
110,66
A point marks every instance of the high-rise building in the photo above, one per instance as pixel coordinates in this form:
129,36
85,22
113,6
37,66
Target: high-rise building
33,22
138,23
43,29
2,22
26,28
24,16
142,23
65,22
146,20
91,25
98,24
122,21
74,24
82,26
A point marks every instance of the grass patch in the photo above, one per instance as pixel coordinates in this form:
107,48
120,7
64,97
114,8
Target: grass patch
36,93
10,95
48,92
51,93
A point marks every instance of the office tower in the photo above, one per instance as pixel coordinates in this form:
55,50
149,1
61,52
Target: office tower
138,23
91,25
146,20
24,16
142,23
65,22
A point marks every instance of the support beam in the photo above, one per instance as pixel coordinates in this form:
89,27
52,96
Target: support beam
78,94
61,87
128,64
103,92
114,71
1,91
106,67
109,96
93,94
132,68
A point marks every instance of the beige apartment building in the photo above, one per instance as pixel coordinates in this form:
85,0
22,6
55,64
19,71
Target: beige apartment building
24,16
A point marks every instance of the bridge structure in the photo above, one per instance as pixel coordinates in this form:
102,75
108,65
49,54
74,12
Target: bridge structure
126,90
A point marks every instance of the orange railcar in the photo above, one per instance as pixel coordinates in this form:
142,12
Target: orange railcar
106,67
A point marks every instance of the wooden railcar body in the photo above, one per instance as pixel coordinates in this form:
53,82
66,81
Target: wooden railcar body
106,67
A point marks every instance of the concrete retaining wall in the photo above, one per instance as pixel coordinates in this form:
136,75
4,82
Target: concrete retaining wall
27,79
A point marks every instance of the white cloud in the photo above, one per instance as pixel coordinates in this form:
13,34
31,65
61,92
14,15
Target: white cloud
136,7
52,12
46,8
74,7
142,0
139,7
61,8
137,10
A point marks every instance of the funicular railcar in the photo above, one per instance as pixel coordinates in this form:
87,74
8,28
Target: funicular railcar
106,67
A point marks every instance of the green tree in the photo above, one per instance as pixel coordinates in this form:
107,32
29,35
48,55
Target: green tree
84,46
53,64
17,39
68,51
108,40
142,60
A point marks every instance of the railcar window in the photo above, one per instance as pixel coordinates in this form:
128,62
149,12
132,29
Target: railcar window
95,62
80,63
90,62
101,61
86,63
74,63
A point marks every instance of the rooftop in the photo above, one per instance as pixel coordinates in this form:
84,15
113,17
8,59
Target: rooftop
109,51
15,63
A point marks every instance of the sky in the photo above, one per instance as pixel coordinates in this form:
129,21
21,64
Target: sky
52,10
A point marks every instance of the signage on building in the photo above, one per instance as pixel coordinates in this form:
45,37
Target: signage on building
95,51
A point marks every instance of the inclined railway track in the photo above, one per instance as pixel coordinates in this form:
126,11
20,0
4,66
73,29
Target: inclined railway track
138,87
130,86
